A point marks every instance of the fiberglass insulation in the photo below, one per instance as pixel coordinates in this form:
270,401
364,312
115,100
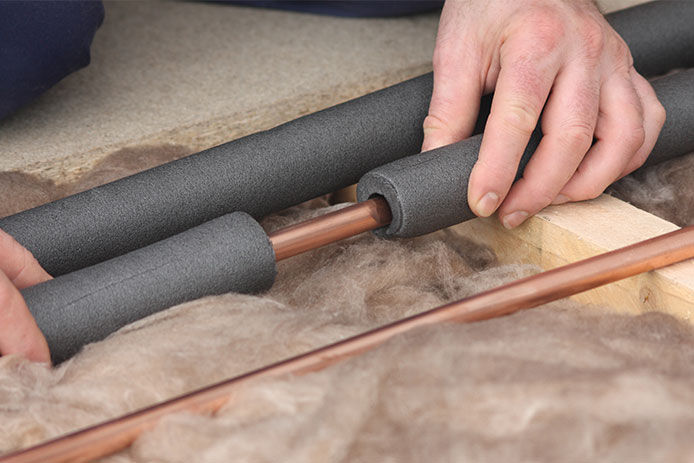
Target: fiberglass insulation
556,383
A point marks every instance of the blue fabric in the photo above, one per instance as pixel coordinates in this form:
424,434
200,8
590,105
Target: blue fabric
43,41
350,8
40,43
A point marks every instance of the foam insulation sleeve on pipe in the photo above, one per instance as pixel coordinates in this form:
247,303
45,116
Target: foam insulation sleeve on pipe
427,192
660,35
229,254
258,174
300,160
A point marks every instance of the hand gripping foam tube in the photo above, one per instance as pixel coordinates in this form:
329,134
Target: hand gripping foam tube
427,192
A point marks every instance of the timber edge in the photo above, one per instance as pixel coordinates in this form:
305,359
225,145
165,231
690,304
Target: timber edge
559,235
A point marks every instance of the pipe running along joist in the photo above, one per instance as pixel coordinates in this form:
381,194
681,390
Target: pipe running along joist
110,436
231,253
424,193
289,164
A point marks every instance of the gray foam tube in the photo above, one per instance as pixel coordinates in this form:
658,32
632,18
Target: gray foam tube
257,174
428,191
231,253
289,164
660,35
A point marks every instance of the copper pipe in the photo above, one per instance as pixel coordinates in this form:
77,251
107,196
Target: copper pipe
108,437
329,228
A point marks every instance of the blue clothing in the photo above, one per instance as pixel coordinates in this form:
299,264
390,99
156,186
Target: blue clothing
40,43
43,41
349,8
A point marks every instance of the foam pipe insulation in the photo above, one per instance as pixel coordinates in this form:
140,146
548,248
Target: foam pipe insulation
229,253
660,35
287,165
427,192
258,174
233,253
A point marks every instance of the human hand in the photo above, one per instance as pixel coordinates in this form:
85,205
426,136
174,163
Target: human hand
558,54
19,333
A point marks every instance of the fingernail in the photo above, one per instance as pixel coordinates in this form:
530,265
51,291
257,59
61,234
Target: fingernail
561,199
487,205
514,219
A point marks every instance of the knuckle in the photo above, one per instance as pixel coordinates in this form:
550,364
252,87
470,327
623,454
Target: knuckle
520,117
622,54
594,191
433,122
528,77
441,58
589,191
26,262
531,75
578,136
639,160
541,190
503,171
6,295
537,35
631,132
593,39
634,137
621,49
659,113
547,28
543,196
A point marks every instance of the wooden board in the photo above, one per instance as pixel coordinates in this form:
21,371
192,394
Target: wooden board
563,234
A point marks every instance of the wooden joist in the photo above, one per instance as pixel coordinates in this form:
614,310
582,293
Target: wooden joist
562,234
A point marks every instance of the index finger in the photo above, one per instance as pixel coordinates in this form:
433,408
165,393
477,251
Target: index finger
521,91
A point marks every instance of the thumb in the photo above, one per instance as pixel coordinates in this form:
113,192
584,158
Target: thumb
453,110
19,264
455,100
19,333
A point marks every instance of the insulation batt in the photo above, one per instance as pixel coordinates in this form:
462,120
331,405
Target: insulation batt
557,383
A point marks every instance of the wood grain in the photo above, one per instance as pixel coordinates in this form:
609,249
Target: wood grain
570,232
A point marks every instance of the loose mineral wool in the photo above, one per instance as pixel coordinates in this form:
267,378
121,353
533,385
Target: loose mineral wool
560,382
665,190
24,191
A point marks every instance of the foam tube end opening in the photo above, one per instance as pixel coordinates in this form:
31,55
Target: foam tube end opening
372,186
